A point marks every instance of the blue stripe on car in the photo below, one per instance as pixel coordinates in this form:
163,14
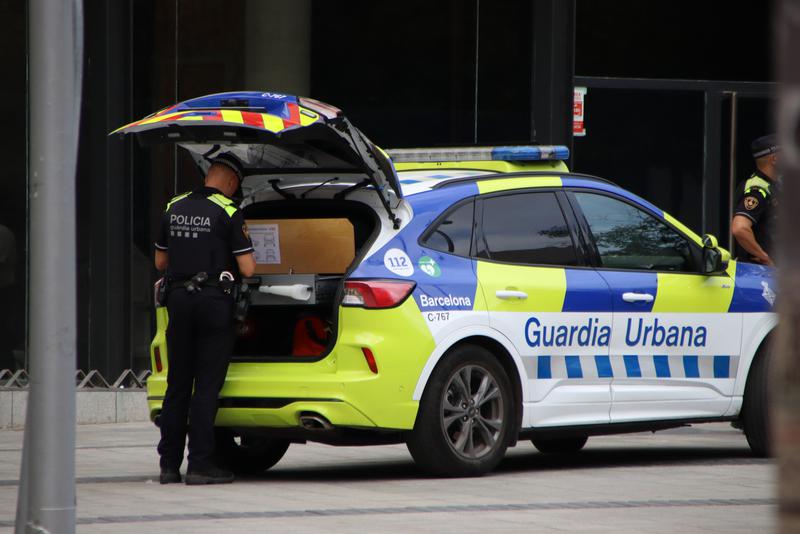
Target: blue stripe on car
543,367
661,364
632,368
457,282
586,292
631,281
753,285
603,364
722,365
688,366
573,364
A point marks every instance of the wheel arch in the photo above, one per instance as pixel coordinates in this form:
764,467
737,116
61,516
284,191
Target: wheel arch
764,344
758,331
502,350
508,363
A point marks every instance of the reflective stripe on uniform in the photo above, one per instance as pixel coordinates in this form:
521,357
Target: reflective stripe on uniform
223,202
757,190
177,198
757,183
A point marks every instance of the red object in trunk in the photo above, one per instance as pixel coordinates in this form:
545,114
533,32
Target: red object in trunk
311,334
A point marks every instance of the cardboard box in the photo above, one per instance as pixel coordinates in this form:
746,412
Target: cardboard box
302,246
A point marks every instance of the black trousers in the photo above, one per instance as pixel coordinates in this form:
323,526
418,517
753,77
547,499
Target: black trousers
200,339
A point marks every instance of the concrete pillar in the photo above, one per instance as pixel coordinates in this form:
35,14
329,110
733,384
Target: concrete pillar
278,46
786,374
552,71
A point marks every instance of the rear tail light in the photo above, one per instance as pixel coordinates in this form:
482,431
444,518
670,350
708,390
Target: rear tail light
376,294
157,358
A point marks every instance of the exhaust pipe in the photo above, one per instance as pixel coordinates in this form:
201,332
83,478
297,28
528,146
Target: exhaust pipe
315,422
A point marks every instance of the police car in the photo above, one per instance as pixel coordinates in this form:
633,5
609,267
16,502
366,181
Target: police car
492,296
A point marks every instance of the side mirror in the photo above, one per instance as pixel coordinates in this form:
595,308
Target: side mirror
715,259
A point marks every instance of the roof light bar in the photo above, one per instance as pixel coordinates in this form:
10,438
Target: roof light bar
496,153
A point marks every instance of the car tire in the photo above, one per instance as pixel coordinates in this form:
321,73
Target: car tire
755,405
560,445
458,434
251,455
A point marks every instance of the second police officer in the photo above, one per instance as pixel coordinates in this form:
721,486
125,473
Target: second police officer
754,223
203,244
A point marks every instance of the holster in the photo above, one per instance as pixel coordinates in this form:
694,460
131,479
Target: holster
241,301
196,282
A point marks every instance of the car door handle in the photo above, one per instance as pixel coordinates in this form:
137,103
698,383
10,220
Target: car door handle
510,294
637,297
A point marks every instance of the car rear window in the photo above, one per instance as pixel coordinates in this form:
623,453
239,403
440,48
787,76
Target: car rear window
453,232
526,228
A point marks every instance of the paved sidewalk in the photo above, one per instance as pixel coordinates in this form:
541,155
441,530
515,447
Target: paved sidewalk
699,479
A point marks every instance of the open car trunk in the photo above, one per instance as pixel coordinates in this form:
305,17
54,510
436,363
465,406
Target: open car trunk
287,143
302,325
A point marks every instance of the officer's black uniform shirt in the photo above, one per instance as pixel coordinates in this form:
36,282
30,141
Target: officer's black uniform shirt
203,231
757,199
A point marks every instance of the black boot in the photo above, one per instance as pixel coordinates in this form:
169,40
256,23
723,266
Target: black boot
169,476
208,475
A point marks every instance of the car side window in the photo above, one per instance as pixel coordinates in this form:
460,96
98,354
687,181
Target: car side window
453,233
526,228
630,238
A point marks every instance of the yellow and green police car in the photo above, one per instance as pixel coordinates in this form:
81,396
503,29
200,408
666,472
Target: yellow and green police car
491,296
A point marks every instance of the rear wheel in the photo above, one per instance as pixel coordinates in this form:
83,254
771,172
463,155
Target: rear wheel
559,445
465,416
755,405
248,454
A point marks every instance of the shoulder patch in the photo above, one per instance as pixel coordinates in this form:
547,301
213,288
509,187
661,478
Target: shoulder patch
750,202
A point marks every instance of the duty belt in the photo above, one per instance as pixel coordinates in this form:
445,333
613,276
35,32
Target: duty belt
199,281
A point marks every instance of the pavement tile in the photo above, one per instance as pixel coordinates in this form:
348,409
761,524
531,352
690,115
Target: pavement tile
19,407
5,409
320,488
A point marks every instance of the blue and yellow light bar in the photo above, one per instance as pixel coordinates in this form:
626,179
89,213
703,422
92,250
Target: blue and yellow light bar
489,153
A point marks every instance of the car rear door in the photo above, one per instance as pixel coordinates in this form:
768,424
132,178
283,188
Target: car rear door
281,141
674,346
554,310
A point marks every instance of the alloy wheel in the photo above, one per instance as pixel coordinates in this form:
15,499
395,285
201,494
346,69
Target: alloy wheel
472,412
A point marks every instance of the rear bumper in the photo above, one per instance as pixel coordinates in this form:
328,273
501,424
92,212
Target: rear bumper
273,412
340,387
277,400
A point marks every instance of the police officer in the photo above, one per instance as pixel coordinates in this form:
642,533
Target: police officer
754,223
203,243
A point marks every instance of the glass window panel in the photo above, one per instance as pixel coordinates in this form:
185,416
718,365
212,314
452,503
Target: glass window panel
629,238
526,228
453,234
